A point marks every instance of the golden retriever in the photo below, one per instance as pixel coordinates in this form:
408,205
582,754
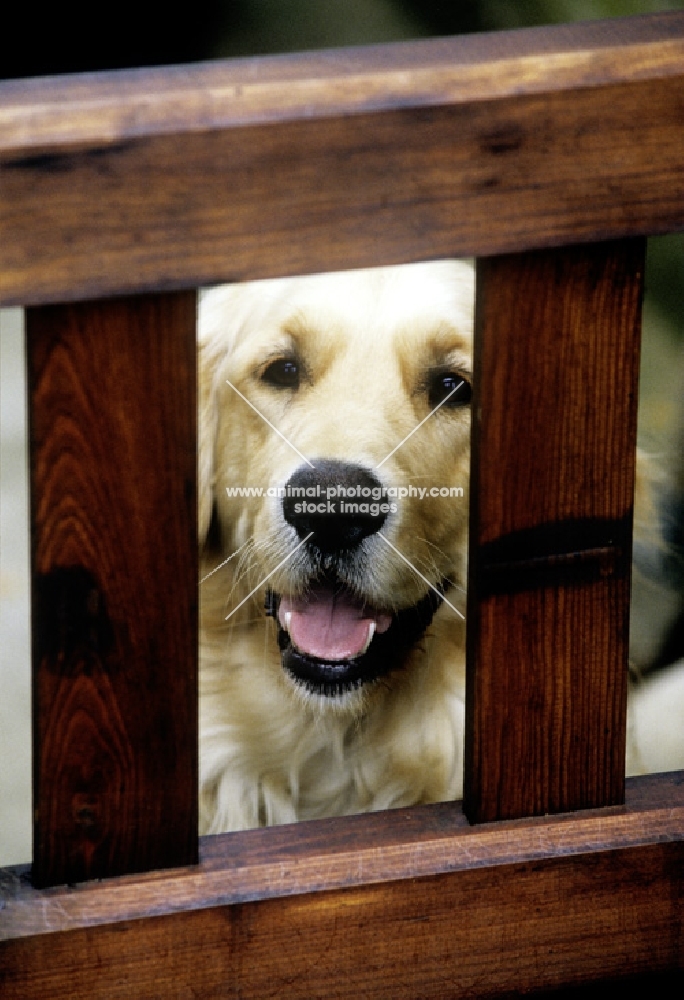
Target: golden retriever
332,598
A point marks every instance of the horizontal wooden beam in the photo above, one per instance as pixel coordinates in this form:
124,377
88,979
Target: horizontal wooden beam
376,905
493,144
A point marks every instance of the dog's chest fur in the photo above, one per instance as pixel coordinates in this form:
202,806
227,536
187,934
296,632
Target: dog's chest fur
271,756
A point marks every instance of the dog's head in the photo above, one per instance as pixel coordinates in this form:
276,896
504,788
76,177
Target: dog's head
341,402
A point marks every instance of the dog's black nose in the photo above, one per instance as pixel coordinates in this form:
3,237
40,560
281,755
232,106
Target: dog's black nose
340,503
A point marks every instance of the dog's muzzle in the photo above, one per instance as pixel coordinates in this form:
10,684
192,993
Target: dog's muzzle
332,640
381,652
350,488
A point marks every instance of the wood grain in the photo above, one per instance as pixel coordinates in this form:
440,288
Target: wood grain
173,178
112,435
110,106
186,177
401,904
554,435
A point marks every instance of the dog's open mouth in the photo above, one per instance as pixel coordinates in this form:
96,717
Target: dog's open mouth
332,641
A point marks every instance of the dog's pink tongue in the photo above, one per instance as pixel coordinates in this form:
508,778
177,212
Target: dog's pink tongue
330,626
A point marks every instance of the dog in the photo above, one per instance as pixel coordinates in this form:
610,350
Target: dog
333,467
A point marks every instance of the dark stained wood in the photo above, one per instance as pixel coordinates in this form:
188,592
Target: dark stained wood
112,105
167,179
129,182
112,433
554,434
343,852
399,904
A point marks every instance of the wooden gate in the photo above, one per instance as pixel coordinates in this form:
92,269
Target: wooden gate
547,154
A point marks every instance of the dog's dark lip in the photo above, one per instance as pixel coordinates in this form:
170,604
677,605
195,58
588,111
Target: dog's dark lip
387,652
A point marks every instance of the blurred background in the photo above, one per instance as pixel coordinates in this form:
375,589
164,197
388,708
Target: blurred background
70,38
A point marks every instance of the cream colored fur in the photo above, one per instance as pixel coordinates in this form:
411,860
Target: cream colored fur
271,752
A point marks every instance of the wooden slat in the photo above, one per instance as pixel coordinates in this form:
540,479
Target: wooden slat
478,146
401,904
111,105
554,434
112,434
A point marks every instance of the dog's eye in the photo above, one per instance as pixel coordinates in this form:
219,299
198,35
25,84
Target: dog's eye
283,373
443,383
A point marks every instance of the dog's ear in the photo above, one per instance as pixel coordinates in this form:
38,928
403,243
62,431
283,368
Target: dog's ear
206,443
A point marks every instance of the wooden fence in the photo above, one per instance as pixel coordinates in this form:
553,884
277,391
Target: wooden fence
547,154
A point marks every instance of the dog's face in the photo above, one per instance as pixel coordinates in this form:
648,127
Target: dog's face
343,398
